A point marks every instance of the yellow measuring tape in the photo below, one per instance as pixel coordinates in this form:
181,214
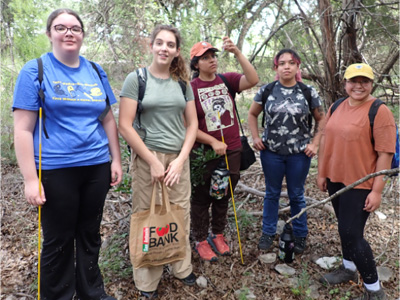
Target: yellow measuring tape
40,194
233,198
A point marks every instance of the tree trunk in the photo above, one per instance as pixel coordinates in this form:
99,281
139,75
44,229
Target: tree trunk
333,88
351,55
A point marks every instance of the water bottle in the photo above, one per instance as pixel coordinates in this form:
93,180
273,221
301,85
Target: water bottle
286,244
219,181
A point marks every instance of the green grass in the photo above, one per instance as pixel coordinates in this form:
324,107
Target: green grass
243,293
244,218
114,262
302,287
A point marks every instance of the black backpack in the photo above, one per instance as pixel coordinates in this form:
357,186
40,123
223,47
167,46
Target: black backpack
304,89
142,80
41,94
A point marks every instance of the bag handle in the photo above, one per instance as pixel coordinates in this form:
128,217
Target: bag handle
164,198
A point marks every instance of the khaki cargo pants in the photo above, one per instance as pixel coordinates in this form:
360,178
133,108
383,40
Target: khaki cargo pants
147,279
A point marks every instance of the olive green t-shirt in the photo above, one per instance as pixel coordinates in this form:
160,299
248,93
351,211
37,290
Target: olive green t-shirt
163,110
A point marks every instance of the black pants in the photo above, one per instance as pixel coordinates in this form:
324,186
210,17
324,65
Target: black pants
351,223
201,199
71,220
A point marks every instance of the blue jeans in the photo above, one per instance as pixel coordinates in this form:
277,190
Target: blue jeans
295,167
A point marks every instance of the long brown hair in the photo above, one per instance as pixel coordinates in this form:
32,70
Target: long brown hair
178,69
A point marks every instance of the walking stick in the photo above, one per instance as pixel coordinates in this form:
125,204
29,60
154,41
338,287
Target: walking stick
40,194
230,185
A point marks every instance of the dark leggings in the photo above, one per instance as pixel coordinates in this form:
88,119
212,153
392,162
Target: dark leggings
351,222
71,220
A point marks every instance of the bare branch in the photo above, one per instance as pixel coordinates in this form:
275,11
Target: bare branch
380,24
246,189
349,187
294,18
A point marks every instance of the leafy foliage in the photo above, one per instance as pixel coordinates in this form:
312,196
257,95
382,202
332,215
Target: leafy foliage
197,163
118,38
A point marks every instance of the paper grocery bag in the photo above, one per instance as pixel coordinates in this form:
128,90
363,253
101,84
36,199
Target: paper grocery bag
157,236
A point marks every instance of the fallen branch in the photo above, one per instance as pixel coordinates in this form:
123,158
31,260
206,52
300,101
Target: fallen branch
246,189
349,187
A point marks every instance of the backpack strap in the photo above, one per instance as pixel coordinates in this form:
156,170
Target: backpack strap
233,95
142,81
264,97
307,94
371,115
108,106
41,93
373,110
226,82
337,103
182,84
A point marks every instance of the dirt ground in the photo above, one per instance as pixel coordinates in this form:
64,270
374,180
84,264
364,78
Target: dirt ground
228,278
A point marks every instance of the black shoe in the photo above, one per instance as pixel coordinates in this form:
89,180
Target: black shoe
149,295
300,244
370,295
340,275
266,241
189,280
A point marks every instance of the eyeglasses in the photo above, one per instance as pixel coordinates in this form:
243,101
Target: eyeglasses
363,82
63,29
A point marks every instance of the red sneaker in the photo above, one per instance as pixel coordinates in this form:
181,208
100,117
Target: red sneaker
204,250
218,243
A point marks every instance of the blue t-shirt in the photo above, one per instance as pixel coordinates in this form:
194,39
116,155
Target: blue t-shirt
74,99
286,128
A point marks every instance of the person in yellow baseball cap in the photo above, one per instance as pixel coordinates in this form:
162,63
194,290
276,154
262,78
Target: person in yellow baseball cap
355,70
350,149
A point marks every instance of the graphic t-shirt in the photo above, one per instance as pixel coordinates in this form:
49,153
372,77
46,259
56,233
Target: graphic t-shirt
216,110
286,128
74,99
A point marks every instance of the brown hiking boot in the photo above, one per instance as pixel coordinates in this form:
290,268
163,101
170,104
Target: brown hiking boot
340,275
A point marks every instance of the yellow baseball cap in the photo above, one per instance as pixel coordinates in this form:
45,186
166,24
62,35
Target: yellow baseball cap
355,70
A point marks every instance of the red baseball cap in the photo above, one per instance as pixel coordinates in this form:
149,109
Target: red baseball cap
200,48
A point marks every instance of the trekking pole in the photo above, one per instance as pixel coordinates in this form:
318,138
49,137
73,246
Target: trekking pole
230,185
40,194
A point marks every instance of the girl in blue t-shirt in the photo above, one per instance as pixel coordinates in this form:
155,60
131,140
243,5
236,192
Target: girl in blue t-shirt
285,148
80,157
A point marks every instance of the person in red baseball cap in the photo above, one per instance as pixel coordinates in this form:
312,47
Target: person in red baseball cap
200,48
217,118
